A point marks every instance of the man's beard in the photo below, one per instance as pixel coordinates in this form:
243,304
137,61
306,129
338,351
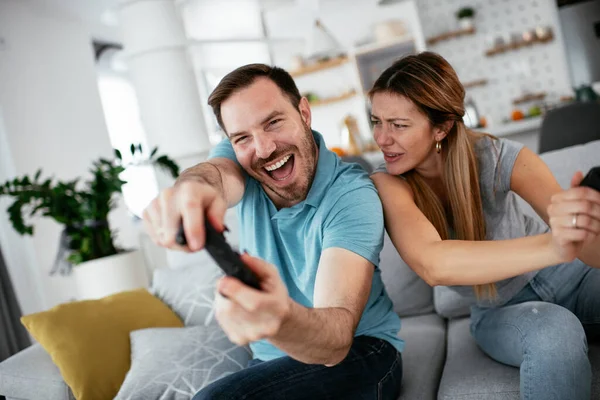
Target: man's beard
297,190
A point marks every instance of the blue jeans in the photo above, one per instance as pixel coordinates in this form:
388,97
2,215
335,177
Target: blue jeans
543,331
372,370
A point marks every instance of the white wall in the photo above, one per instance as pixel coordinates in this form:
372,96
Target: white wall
53,119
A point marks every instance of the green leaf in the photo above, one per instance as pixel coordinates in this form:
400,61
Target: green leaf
153,152
70,204
75,258
118,154
139,146
132,148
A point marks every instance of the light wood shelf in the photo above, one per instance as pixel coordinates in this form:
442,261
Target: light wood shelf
514,46
530,97
335,99
472,84
309,69
450,35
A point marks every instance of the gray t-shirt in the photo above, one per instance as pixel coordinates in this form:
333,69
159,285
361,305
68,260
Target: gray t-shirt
504,217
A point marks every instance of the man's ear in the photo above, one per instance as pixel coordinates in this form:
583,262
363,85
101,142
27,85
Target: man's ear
304,109
442,130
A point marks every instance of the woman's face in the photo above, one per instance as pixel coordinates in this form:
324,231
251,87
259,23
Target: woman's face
402,132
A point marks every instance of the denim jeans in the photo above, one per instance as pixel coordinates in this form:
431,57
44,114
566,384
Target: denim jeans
544,331
372,370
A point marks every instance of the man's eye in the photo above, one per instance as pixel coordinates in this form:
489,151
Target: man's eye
375,122
275,121
241,139
399,126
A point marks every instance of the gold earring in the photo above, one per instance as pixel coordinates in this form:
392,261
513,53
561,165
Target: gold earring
438,147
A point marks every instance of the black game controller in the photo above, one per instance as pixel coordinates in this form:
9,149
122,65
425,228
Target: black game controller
226,258
592,179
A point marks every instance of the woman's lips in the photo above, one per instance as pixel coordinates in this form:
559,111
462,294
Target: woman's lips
391,157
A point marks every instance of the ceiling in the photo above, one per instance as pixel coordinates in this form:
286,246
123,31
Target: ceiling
101,19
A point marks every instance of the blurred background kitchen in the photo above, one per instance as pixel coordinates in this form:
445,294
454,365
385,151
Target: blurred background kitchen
79,78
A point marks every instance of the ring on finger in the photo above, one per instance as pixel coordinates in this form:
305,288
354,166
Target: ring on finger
575,220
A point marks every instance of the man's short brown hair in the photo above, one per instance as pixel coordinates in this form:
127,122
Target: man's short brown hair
245,76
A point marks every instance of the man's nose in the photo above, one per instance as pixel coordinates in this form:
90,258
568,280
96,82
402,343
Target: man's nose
264,145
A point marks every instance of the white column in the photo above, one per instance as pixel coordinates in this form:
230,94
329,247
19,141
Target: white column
162,74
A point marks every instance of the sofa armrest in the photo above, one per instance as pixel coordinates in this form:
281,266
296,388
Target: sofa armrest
31,374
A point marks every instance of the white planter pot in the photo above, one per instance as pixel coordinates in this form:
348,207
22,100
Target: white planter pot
108,275
465,23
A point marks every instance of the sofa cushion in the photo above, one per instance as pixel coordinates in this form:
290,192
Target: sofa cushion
423,356
410,294
450,304
469,374
563,163
77,332
31,374
189,290
175,363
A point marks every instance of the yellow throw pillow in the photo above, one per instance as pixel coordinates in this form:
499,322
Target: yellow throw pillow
89,340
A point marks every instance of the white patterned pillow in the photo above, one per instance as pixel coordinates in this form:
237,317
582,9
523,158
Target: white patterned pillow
189,291
175,363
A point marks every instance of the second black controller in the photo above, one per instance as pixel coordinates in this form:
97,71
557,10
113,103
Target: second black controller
592,179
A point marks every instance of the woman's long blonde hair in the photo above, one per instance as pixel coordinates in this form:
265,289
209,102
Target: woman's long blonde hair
429,81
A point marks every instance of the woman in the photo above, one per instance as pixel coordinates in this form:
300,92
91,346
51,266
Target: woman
451,211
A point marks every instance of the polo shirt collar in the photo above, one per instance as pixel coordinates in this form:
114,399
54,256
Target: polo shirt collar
326,166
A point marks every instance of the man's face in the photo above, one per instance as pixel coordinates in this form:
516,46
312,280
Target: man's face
272,140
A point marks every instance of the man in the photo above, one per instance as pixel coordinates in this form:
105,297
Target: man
322,326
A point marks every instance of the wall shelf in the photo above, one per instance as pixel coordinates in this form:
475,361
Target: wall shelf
331,100
472,84
529,97
450,35
514,46
516,127
309,69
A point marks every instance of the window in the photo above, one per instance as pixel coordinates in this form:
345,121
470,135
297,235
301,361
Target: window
121,112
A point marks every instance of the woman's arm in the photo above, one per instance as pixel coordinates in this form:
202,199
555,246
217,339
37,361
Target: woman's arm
454,262
533,181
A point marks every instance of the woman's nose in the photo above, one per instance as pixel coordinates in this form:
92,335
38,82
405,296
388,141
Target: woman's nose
382,138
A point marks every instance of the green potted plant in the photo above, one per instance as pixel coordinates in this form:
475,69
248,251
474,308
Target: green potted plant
87,241
465,17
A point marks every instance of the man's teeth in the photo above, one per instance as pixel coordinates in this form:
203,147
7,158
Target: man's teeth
278,164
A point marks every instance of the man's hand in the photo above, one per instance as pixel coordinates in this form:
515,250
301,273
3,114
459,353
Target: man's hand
247,315
186,202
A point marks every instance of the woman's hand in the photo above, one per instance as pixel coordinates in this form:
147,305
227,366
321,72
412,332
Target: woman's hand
574,217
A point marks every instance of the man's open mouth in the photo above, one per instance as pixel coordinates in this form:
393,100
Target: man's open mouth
281,169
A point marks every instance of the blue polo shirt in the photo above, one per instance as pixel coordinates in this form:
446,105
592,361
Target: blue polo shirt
342,209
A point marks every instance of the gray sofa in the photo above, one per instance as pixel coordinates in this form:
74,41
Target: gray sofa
441,360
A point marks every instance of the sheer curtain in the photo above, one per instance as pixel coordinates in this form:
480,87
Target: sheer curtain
13,336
